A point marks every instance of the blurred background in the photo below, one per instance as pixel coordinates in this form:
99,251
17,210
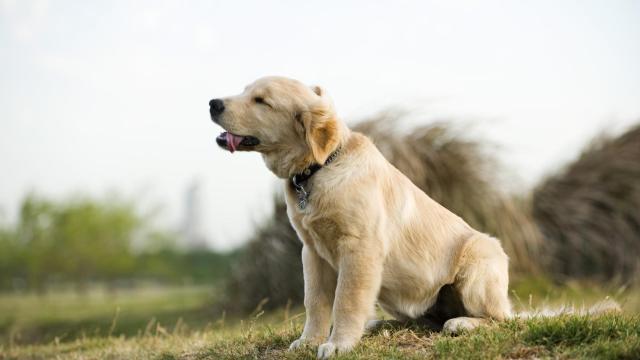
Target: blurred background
119,214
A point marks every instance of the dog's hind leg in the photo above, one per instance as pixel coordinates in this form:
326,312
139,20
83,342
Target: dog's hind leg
482,283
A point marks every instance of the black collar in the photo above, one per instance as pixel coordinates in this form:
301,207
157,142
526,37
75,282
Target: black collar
298,181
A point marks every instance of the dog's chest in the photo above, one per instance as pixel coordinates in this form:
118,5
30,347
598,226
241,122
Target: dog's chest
323,235
317,230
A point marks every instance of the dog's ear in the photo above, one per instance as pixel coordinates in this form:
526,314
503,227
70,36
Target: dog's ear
321,132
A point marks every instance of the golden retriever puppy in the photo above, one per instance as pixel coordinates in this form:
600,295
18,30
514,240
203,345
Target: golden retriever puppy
368,233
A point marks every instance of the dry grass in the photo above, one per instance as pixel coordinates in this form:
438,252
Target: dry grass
589,212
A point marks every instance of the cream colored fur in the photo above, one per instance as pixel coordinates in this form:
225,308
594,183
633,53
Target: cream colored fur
368,233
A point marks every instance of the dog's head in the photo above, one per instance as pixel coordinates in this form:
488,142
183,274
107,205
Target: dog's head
292,125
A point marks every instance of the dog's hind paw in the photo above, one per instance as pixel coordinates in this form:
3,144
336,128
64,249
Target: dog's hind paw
458,325
373,325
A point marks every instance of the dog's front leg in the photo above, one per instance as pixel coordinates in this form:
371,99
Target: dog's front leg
359,277
319,289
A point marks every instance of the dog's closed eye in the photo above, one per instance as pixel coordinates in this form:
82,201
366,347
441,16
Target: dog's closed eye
260,100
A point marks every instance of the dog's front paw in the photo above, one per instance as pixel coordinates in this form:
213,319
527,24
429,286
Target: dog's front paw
328,349
303,341
296,344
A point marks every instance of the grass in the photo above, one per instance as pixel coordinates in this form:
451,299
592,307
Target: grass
171,324
67,315
604,337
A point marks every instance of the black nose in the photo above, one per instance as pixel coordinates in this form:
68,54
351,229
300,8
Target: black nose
216,107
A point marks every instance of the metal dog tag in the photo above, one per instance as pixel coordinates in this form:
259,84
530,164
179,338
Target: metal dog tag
302,197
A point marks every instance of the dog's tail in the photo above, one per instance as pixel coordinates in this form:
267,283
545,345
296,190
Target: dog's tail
606,306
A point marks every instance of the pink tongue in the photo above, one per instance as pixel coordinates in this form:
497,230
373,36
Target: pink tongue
233,141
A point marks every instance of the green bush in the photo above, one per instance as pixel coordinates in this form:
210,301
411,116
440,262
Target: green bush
83,240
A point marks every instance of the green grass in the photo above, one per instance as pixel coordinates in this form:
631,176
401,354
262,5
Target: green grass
64,316
537,292
173,323
604,337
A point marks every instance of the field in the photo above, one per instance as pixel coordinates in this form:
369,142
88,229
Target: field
175,323
65,315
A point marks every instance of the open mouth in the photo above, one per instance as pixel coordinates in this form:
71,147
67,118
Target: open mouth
232,142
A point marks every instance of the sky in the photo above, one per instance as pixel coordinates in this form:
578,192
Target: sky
102,97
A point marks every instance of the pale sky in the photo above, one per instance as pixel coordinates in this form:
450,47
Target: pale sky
99,96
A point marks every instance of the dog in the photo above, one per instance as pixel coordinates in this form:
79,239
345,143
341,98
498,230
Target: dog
368,233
